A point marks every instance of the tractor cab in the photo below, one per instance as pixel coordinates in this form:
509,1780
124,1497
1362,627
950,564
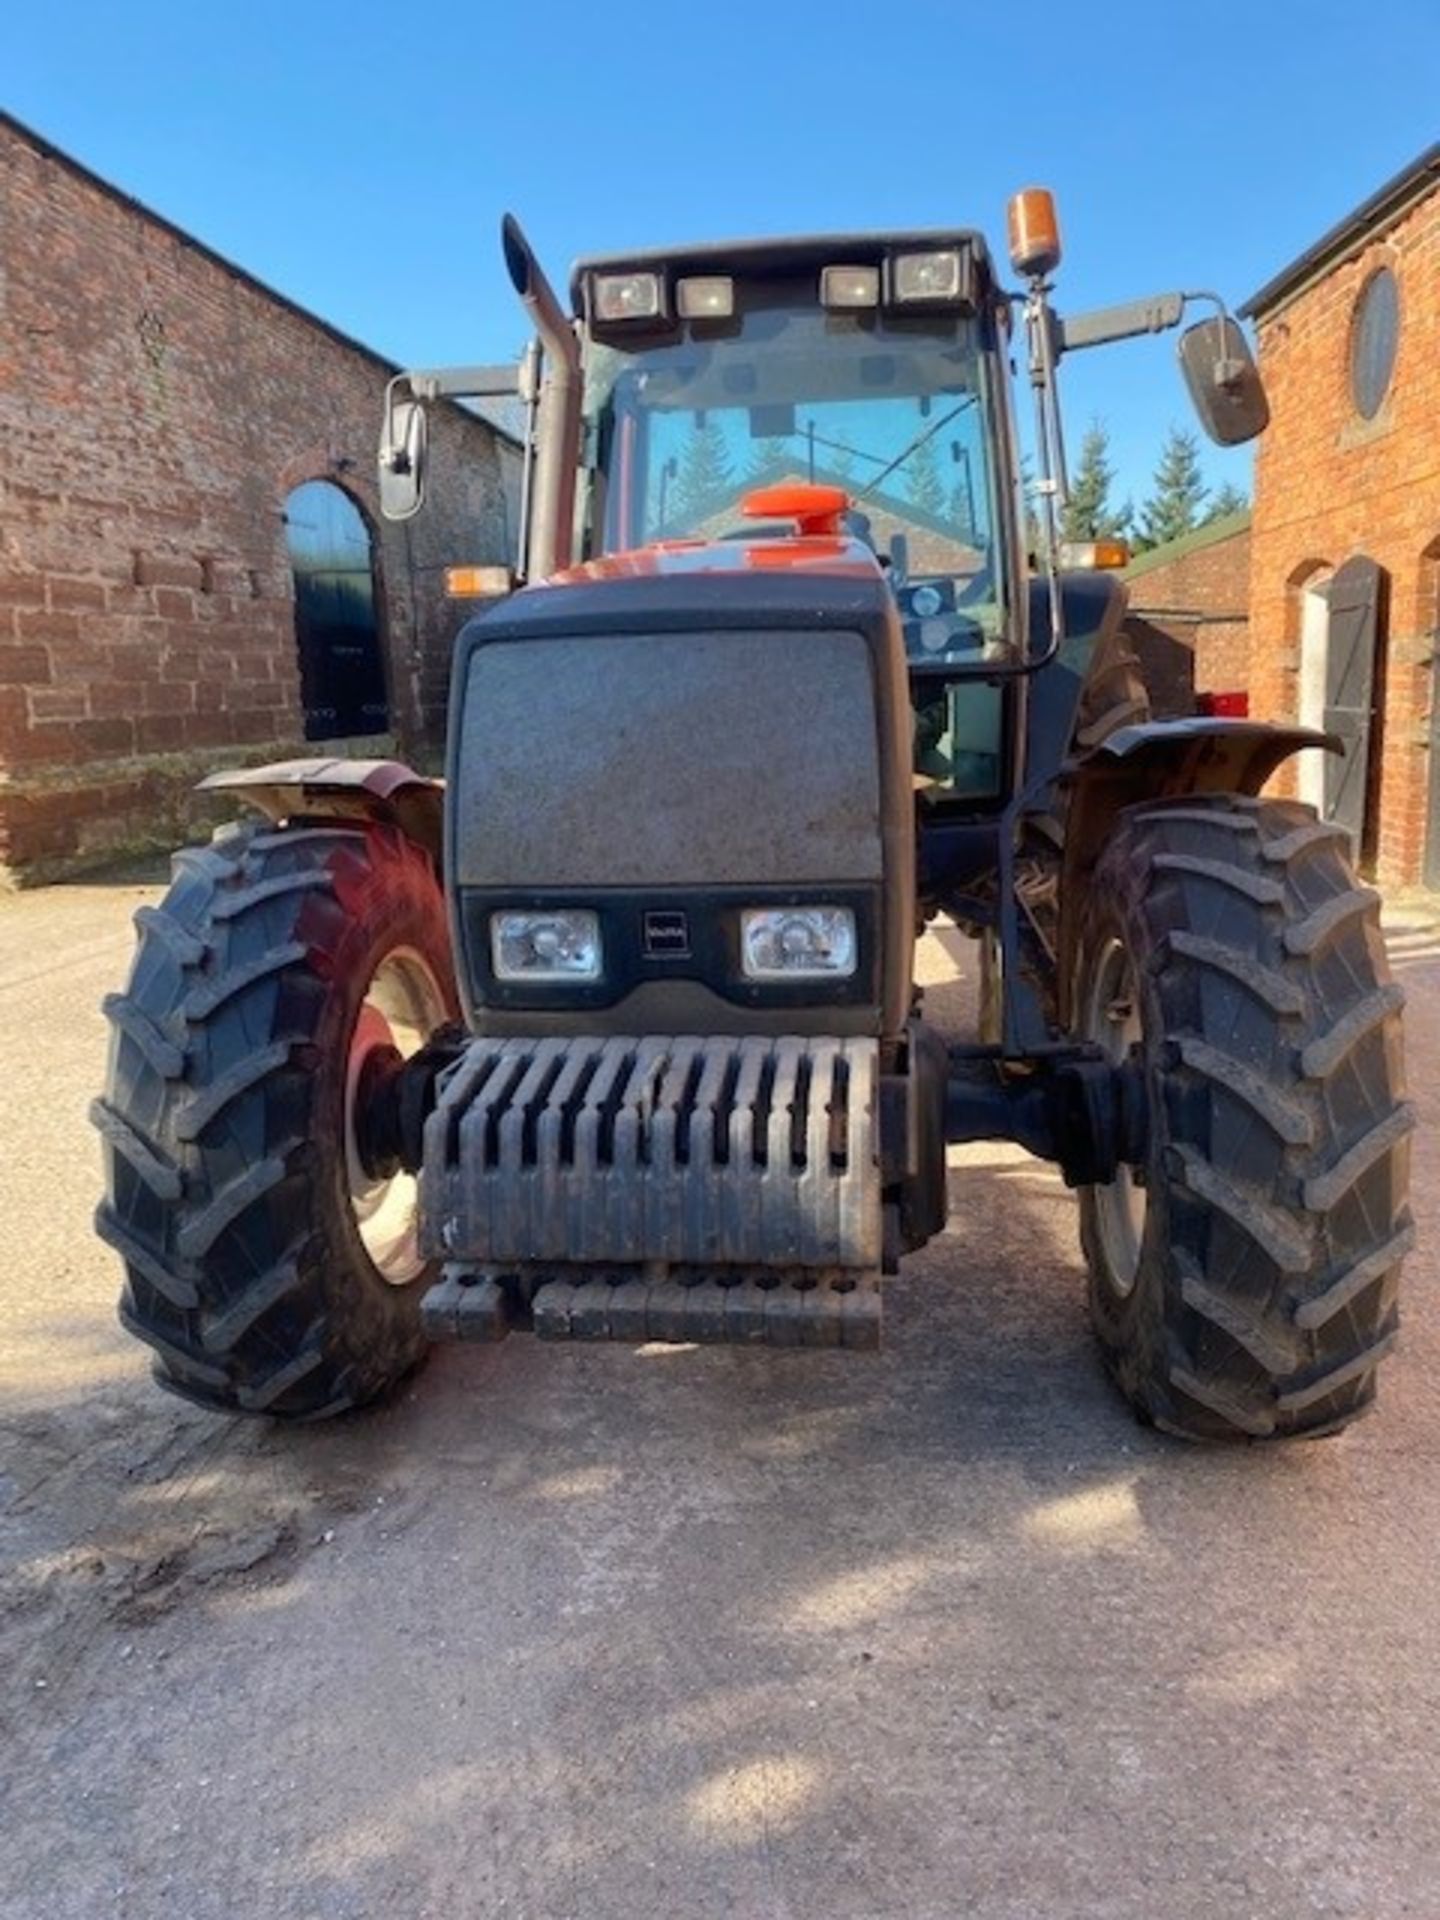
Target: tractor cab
722,383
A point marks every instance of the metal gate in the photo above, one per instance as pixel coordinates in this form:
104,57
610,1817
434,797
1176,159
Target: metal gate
342,673
1352,654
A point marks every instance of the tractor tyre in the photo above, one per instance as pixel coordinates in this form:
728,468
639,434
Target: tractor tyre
1243,1279
266,1267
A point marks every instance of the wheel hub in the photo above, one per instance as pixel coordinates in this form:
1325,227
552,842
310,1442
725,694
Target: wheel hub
403,1005
1113,1023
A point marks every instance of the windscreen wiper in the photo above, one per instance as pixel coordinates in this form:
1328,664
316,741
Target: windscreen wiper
926,433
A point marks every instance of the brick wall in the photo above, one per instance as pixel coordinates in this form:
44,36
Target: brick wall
1330,485
1197,589
156,407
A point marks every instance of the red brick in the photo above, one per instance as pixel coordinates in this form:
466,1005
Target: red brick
168,570
24,666
163,696
161,733
145,552
22,589
131,599
68,594
1329,487
174,603
59,703
47,626
106,736
110,699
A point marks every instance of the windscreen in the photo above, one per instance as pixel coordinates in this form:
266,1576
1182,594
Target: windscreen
897,412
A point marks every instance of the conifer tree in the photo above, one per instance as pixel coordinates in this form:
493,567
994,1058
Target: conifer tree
705,471
773,456
1227,500
1173,509
958,512
923,483
1088,513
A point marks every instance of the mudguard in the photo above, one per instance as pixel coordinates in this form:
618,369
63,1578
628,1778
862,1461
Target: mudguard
1159,759
1201,753
381,790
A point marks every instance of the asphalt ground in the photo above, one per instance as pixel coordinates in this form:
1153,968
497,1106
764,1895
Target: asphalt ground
679,1633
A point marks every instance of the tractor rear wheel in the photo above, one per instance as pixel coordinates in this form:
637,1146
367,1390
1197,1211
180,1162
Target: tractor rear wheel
271,1269
1243,1280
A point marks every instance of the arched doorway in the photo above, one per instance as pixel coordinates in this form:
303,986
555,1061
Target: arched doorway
337,634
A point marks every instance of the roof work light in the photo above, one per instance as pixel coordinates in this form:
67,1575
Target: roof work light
705,296
927,279
627,296
850,287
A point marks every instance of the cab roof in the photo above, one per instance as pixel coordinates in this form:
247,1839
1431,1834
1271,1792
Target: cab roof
779,256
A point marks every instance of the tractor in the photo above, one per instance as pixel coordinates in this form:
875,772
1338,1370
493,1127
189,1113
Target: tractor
613,1033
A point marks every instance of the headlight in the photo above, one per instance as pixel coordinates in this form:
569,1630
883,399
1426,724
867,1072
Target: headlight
797,943
917,278
850,287
545,946
705,296
626,296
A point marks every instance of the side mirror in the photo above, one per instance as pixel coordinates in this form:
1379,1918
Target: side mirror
404,441
1224,381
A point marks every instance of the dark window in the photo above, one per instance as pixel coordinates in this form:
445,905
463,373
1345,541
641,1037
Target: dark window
342,672
1374,333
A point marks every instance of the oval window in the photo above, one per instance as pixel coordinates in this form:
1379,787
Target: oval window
1374,333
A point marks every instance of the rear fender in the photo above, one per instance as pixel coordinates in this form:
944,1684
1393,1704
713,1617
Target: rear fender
1158,760
374,790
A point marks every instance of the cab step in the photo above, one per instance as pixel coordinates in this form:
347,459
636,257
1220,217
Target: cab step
814,1311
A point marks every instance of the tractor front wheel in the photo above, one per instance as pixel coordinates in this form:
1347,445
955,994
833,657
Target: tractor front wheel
1243,1278
270,1263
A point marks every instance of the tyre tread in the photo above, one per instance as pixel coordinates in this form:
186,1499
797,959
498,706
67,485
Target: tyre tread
1265,993
174,1287
253,1292
1282,1112
1331,1050
160,1175
202,1108
167,1059
1317,929
1324,1191
198,1234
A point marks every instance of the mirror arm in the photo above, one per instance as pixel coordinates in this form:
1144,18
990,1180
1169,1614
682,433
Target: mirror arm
1155,314
467,383
393,457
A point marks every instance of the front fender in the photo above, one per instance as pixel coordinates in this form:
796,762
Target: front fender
380,790
1158,760
1199,754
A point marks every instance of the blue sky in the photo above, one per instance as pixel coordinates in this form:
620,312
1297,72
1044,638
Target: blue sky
358,156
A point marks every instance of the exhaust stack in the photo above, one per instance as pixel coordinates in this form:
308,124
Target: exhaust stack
557,451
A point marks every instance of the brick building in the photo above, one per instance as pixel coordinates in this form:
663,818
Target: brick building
1345,542
1195,593
193,570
